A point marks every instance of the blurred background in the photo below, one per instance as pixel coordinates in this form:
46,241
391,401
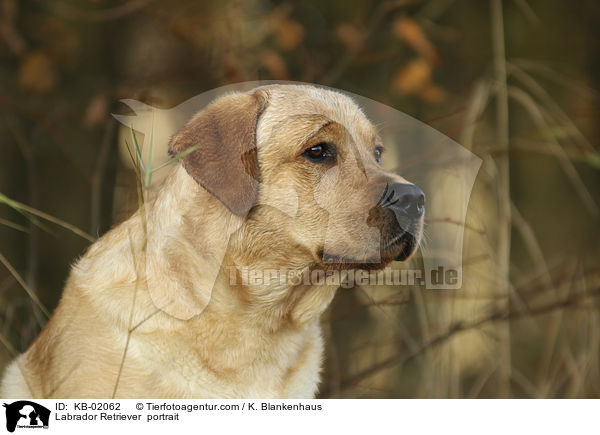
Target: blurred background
514,81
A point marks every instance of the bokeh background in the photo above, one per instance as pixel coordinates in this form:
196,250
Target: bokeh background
514,81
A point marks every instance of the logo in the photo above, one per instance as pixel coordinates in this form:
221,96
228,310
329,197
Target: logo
26,414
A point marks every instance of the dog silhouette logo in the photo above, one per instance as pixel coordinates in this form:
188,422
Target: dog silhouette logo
26,414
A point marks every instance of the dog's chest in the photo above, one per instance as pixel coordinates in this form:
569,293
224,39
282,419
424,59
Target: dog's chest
287,366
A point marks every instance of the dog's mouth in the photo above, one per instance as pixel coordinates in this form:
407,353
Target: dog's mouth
399,248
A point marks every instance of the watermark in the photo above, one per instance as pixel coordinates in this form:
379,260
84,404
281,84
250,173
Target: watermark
25,414
286,277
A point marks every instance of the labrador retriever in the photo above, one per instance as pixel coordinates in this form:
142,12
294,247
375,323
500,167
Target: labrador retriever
284,177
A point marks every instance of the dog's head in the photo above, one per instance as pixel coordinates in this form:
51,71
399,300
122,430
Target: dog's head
256,149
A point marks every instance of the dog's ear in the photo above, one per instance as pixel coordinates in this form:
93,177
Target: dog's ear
225,162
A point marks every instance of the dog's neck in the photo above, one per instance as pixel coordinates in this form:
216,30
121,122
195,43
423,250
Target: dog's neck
215,235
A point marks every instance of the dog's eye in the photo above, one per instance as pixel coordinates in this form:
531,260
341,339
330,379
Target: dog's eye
378,153
320,152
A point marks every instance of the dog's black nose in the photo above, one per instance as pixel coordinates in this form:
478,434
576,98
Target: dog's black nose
408,199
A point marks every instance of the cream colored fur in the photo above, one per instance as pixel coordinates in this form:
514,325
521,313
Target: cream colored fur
108,338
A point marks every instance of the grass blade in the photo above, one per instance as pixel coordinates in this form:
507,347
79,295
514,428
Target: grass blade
177,157
21,281
148,170
13,225
25,208
138,150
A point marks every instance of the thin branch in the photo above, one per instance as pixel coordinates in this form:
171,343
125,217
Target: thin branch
65,10
99,175
503,184
8,27
532,245
23,284
20,206
477,104
131,314
527,11
6,343
566,164
536,89
458,327
375,20
13,225
557,77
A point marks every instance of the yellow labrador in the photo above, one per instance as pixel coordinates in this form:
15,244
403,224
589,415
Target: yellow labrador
284,177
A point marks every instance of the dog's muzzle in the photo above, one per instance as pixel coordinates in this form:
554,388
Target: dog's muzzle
399,217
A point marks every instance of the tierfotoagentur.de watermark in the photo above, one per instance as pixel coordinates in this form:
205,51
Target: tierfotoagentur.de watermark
343,278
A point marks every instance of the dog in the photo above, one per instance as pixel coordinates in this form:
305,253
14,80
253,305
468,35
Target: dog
140,319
